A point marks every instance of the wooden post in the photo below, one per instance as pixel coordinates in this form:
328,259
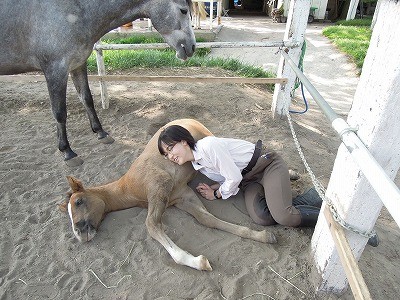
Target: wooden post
101,70
295,30
349,263
375,111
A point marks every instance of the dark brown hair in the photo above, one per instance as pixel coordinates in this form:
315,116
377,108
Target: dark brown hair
174,134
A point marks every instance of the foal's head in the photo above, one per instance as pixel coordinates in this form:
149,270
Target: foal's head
85,208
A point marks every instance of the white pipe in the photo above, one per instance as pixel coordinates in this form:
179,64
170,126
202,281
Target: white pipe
387,191
287,44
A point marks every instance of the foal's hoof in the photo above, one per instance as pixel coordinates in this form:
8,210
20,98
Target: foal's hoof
204,264
106,140
267,237
74,162
272,239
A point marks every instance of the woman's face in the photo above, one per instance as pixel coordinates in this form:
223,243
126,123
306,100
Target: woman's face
178,153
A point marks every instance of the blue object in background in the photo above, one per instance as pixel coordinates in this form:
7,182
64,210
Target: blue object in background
207,8
237,3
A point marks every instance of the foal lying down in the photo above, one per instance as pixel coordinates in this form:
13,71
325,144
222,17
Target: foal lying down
154,183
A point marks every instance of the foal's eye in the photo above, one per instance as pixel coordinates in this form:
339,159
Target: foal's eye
79,202
184,11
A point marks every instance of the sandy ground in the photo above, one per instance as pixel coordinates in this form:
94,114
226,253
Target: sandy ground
41,259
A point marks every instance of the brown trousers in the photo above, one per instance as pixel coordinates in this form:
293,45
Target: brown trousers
268,194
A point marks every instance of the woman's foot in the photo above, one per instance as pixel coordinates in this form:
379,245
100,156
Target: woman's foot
310,197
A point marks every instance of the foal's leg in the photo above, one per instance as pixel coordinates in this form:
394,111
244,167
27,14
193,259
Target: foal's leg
193,205
80,80
156,208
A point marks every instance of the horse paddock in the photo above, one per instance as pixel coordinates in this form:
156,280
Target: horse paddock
41,257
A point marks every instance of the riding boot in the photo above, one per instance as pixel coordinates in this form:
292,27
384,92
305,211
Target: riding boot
308,214
310,198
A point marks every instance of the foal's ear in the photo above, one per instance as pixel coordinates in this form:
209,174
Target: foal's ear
63,205
75,184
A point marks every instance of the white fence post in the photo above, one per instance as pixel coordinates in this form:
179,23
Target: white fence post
101,70
295,30
149,25
375,111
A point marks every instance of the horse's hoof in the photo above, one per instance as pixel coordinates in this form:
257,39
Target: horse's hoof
74,162
293,175
106,140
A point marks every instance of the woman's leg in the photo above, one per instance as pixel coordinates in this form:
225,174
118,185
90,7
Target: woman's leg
278,192
256,205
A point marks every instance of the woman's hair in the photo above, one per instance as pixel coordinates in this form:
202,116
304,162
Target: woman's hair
174,134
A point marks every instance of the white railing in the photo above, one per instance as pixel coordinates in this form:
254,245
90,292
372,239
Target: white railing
98,47
387,191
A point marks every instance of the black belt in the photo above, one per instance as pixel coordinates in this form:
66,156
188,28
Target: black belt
254,158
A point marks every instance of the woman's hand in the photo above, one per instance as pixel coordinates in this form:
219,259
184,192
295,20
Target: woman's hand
206,191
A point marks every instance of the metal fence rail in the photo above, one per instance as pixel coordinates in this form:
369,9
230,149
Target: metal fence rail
387,191
287,44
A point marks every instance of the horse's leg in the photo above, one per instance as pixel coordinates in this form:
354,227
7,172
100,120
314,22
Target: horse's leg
56,78
196,16
193,205
156,208
80,80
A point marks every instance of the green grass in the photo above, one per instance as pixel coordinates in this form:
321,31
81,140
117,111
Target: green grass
127,59
351,37
134,39
356,22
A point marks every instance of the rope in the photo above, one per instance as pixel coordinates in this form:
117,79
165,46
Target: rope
298,83
321,190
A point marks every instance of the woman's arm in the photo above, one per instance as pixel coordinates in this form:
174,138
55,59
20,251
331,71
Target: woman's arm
223,162
207,191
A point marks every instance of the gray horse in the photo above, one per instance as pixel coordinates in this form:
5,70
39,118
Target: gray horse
57,37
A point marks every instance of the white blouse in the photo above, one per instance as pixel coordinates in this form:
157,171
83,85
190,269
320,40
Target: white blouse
222,160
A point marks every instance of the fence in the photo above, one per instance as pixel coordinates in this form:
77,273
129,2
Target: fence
377,177
103,77
386,189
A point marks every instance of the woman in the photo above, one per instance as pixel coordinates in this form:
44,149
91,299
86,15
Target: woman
237,164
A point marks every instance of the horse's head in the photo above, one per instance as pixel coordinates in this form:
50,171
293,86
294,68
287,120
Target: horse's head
85,209
172,19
